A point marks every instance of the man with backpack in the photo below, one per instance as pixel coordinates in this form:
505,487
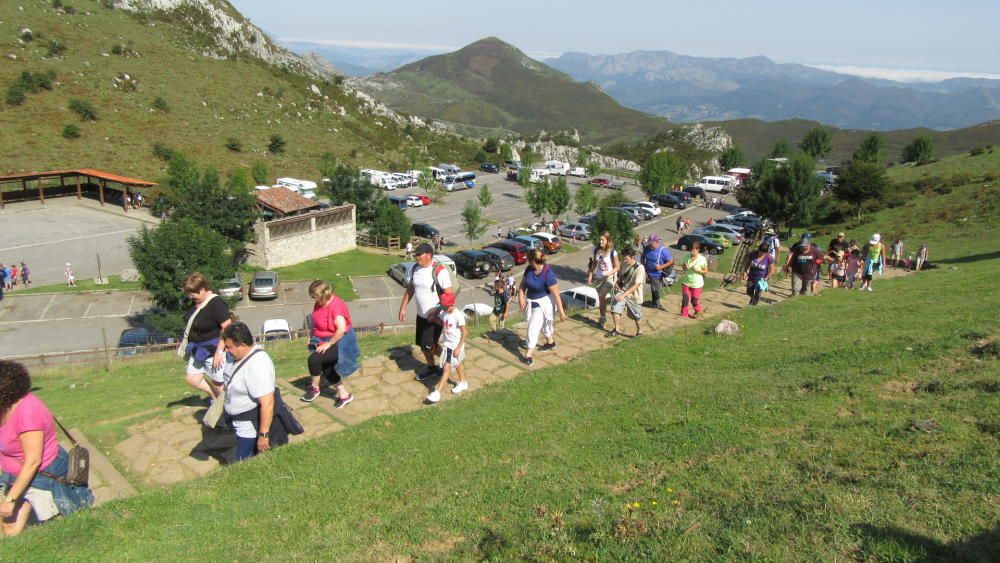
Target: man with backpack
428,280
658,262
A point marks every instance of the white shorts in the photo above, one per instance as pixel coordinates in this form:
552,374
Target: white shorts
448,356
42,504
194,366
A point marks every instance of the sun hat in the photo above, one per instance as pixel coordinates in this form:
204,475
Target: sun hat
876,238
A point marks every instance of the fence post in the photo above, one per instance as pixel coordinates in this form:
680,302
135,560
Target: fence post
107,350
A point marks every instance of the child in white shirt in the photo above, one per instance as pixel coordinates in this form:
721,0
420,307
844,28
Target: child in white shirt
453,337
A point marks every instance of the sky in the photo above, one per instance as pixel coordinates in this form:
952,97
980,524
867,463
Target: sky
926,39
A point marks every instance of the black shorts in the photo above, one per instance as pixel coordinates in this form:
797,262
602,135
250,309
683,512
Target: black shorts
428,334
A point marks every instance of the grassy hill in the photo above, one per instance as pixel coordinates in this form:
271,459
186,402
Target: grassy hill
208,96
493,85
756,138
849,426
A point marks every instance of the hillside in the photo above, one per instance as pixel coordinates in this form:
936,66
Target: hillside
756,138
198,75
685,88
491,84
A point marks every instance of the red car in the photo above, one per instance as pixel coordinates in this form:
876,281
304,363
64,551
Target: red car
516,249
600,182
426,200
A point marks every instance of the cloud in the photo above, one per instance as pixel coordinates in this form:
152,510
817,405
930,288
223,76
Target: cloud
371,44
905,74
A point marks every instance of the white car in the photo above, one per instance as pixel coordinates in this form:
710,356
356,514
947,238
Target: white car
580,297
648,206
275,329
414,201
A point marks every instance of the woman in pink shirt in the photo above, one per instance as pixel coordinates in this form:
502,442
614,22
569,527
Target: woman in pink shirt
333,345
30,457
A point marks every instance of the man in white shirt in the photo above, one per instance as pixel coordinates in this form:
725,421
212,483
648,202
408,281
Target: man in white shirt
427,280
249,384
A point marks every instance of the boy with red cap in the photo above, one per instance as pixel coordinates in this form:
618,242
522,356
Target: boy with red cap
453,336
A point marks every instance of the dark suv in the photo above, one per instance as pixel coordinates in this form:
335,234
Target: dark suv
472,263
424,230
489,167
669,199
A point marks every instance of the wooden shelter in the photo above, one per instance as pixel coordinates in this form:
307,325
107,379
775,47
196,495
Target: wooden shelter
81,179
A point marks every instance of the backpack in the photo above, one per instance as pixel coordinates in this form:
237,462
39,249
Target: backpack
593,259
437,268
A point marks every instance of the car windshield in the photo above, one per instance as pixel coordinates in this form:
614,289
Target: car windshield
263,282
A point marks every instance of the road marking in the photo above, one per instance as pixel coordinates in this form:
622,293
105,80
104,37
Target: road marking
89,305
130,303
68,239
46,310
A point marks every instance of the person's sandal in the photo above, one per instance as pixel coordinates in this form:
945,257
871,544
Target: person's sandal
612,334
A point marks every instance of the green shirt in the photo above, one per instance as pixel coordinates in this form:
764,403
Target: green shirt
691,278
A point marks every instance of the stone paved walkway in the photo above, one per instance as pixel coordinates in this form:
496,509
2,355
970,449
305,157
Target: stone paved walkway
177,447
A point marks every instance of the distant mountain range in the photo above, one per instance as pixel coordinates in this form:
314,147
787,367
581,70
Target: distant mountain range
685,89
357,61
494,87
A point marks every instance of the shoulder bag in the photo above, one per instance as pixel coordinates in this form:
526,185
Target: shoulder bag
182,349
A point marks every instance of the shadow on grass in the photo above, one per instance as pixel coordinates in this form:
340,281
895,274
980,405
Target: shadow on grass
973,258
883,543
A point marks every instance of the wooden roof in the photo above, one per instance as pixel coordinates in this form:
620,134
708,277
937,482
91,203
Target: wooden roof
124,180
284,201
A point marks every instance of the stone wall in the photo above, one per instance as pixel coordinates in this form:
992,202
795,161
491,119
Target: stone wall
284,242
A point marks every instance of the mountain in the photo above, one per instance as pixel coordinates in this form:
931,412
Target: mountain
685,89
489,87
192,75
358,61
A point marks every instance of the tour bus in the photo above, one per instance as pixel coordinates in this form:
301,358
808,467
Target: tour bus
717,184
461,181
304,188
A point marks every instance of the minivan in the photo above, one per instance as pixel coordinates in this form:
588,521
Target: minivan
717,184
472,263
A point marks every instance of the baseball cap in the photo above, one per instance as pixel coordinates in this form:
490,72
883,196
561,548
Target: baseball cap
447,299
876,238
841,234
654,238
806,236
423,248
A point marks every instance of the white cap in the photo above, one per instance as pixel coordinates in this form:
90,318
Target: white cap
876,238
67,263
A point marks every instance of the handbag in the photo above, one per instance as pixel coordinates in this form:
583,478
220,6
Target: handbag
215,411
182,349
78,468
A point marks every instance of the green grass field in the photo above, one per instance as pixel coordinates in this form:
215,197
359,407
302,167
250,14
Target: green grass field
114,284
337,269
850,426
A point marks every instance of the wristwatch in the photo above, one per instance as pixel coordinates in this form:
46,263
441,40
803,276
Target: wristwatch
262,435
10,499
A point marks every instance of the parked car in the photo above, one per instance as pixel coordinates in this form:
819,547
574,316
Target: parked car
414,201
643,213
576,231
232,287
707,245
694,191
264,286
531,242
550,242
424,230
717,184
275,329
426,200
401,272
717,237
580,297
489,167
132,340
670,199
616,184
472,263
732,232
400,201
500,259
601,182
632,214
647,205
586,219
516,249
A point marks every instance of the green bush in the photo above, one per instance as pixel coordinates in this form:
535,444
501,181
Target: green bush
276,144
960,179
163,152
45,80
84,109
56,49
71,131
159,104
234,144
977,151
15,94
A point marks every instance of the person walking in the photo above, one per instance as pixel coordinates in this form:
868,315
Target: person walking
773,244
501,303
679,224
25,275
760,268
693,281
657,263
333,345
873,254
499,232
536,294
628,293
205,320
34,466
250,393
15,276
897,252
428,281
853,266
604,267
409,250
802,263
838,269
69,275
921,257
454,333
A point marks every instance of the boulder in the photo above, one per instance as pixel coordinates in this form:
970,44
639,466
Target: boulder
728,327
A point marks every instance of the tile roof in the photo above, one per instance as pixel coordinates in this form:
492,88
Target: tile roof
284,201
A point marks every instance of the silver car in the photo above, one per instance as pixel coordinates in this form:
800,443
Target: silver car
232,287
577,231
264,286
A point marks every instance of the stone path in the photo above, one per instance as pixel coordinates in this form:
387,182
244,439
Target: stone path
177,447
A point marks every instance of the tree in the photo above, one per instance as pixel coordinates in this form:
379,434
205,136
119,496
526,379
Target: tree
485,197
872,149
593,168
166,255
585,199
817,142
860,182
198,194
390,221
506,152
781,149
731,158
559,198
524,174
537,198
240,181
920,151
661,171
426,180
276,144
583,157
259,172
473,225
347,186
617,224
787,194
490,145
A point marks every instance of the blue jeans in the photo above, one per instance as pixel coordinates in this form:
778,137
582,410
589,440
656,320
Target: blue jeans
245,448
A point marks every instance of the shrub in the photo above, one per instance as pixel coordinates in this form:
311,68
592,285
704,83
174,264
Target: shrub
71,131
960,179
977,151
44,80
991,177
56,49
27,36
276,144
259,173
159,104
84,109
15,94
234,144
163,152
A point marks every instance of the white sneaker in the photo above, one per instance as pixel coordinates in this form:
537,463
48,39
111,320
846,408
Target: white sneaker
434,396
869,289
462,386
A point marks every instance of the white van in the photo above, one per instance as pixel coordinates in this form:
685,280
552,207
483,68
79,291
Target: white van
449,168
717,184
438,173
579,171
557,167
304,188
539,175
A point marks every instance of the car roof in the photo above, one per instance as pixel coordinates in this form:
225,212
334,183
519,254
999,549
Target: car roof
496,251
265,274
507,242
275,325
471,252
583,290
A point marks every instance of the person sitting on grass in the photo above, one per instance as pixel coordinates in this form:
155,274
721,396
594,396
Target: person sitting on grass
453,334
